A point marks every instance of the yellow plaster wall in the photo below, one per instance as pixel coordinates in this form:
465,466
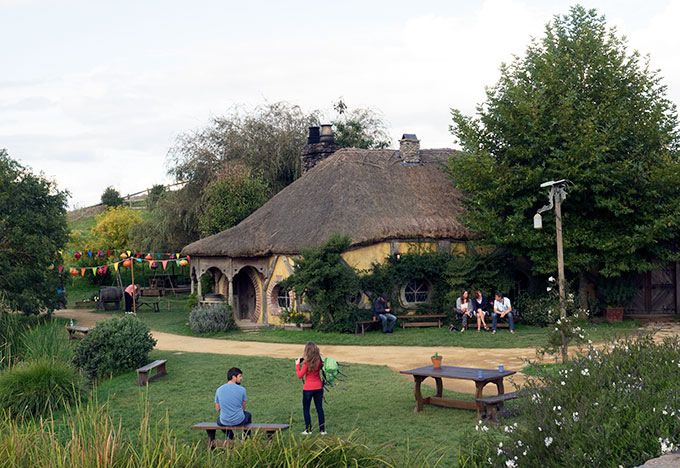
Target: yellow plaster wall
363,257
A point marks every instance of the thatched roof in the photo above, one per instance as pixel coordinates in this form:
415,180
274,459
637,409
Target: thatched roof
369,194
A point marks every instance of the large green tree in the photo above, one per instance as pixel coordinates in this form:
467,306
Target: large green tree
230,198
32,231
577,106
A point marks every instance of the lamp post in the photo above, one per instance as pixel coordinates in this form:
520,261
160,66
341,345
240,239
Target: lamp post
556,196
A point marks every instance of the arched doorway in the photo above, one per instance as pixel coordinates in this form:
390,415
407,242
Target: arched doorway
245,295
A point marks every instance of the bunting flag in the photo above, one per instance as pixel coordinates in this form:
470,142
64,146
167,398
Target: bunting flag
108,253
94,271
89,252
82,272
115,266
129,252
165,264
61,267
188,258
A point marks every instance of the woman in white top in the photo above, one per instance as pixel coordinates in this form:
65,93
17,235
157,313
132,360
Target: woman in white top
464,309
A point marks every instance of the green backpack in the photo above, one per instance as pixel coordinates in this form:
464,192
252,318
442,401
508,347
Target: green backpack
330,373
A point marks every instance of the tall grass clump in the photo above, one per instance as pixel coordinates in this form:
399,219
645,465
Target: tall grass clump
10,337
114,346
611,407
36,388
47,341
87,437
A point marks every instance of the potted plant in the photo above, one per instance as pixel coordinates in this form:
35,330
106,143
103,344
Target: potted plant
436,361
617,293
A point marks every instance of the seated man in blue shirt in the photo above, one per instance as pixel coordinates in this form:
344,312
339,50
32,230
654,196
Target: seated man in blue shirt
230,401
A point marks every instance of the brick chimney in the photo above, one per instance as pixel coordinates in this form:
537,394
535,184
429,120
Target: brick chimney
409,148
320,144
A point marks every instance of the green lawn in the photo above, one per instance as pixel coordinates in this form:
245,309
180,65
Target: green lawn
376,403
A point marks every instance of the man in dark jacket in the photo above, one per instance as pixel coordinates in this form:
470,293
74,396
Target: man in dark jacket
382,312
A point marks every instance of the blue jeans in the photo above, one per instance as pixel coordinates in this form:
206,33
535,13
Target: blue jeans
307,396
246,420
494,320
384,318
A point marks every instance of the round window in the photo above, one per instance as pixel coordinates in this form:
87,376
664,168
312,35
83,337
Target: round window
416,292
281,296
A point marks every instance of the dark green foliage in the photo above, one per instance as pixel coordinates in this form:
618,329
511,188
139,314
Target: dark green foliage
212,319
539,310
476,270
231,198
618,291
390,276
111,197
114,346
191,302
35,388
612,407
326,282
32,230
577,106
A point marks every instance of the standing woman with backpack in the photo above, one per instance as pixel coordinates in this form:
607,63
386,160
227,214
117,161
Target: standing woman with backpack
309,369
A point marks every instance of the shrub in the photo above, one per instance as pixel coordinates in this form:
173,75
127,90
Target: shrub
191,302
539,311
343,320
111,197
12,327
212,319
613,407
47,341
35,388
114,346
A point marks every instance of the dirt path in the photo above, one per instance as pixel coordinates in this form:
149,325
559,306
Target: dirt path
395,357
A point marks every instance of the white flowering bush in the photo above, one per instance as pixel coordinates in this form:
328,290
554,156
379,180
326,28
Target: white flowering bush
611,407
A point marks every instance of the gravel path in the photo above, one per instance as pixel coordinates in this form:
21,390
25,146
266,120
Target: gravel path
395,357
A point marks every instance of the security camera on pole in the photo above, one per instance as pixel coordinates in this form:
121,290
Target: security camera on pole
556,196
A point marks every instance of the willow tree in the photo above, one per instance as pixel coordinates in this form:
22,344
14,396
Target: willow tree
576,106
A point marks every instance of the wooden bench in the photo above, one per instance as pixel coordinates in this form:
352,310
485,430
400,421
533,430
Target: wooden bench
153,305
472,321
143,372
491,405
426,320
365,324
151,292
75,332
211,428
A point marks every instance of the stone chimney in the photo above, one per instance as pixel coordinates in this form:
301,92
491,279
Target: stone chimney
409,148
320,144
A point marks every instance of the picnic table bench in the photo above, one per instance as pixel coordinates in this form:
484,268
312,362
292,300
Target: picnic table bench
423,320
153,305
143,372
491,405
211,428
75,331
481,378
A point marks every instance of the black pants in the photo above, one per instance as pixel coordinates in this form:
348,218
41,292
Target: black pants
247,420
128,302
307,396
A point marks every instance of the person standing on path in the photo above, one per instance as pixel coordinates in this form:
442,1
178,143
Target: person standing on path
309,368
130,292
230,402
382,312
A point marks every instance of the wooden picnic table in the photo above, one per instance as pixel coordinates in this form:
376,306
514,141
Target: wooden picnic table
453,372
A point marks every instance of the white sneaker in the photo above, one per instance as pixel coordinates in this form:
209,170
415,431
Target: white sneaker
305,432
324,432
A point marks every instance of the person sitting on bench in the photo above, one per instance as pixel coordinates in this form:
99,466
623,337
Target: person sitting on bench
502,308
479,305
463,310
382,312
230,401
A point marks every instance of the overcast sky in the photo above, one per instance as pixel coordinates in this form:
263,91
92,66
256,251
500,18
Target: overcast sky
94,93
